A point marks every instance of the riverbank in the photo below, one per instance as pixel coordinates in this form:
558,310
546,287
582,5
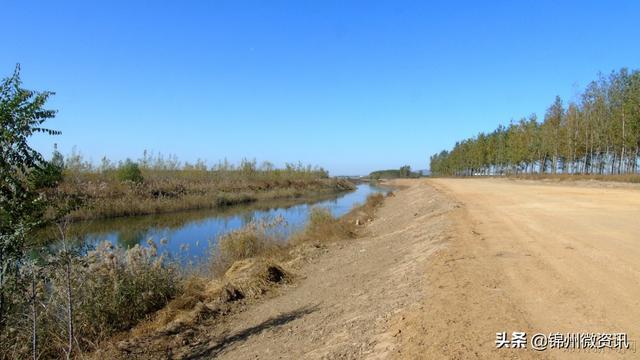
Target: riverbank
250,270
131,230
104,196
115,287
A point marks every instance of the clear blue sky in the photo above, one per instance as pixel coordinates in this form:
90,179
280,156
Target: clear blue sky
352,86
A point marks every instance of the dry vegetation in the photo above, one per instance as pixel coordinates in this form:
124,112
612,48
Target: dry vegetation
112,290
112,192
60,301
63,301
246,263
108,290
255,240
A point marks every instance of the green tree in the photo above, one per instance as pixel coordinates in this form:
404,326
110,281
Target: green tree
600,134
22,114
405,171
130,171
551,128
50,174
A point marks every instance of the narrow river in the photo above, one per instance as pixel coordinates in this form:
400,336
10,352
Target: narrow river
187,236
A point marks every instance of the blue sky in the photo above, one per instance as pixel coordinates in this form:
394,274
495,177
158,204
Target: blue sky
352,86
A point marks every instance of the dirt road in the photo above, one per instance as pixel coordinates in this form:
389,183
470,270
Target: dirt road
445,265
533,257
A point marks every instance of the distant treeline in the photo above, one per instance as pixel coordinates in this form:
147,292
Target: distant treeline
598,134
403,172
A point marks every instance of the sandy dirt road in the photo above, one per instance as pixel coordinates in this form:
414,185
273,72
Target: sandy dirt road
534,257
445,265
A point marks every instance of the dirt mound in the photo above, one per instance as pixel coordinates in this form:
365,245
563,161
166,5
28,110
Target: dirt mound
253,277
202,302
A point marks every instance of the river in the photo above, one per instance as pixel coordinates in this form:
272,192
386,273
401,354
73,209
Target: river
187,235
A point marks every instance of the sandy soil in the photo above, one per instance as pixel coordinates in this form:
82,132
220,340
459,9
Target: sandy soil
534,257
445,265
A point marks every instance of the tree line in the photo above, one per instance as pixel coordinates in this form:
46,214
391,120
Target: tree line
403,172
597,134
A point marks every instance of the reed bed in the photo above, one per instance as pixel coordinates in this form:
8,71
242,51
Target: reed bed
105,195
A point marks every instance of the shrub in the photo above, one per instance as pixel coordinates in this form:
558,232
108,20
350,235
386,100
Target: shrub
22,114
112,290
120,287
130,171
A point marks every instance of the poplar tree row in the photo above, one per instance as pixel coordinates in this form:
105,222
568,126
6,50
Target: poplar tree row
597,134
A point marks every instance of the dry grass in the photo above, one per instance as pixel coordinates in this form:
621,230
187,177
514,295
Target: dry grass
201,304
120,287
322,226
255,239
112,289
244,265
169,191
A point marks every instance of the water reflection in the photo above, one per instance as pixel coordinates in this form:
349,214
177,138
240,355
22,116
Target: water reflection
186,235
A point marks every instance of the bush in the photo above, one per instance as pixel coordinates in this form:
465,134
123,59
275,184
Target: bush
120,287
112,290
130,171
